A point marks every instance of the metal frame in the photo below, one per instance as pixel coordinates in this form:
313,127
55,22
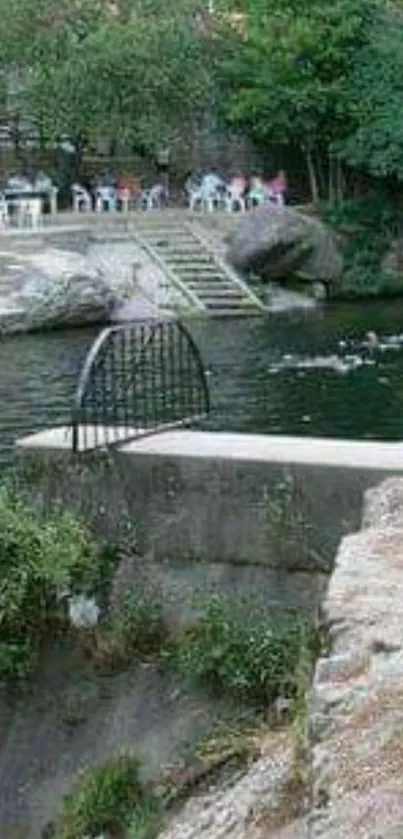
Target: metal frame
138,379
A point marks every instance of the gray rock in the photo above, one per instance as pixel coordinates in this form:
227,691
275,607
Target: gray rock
56,289
282,242
244,808
383,505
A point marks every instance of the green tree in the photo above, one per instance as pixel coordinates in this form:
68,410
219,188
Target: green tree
288,78
125,70
376,143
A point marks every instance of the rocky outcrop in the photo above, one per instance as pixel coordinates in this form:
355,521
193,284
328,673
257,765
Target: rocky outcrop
281,242
357,697
55,288
256,804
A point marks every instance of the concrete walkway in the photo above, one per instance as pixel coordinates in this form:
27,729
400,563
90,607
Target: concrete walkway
354,454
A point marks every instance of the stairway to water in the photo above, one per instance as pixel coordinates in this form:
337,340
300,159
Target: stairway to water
192,264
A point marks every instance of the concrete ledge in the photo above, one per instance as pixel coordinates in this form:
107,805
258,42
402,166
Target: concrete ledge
263,448
217,497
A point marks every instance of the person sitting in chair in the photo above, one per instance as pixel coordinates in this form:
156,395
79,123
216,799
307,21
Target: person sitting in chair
277,188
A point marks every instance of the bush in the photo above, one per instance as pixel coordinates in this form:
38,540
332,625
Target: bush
233,651
40,557
136,627
372,226
105,797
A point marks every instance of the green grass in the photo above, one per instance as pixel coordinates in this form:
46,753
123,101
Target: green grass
135,629
231,650
107,797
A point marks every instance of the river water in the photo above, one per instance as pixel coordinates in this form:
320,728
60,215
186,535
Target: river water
301,372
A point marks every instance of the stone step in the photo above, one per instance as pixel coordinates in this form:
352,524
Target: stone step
240,312
197,285
179,259
225,293
209,279
223,302
172,241
168,233
173,249
195,264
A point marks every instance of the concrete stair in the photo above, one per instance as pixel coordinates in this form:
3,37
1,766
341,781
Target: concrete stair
191,263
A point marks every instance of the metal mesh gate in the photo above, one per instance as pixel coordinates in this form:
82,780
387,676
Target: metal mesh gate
138,379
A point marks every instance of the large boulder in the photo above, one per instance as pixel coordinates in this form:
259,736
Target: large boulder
56,289
281,242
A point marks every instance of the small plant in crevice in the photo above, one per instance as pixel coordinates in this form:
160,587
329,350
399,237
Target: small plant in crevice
233,650
109,797
136,628
145,822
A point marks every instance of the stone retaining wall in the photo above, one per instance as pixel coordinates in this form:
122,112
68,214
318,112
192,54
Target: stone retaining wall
357,697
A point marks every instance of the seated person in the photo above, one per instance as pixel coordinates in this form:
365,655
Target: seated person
235,194
277,188
257,191
157,197
212,184
106,196
192,183
128,183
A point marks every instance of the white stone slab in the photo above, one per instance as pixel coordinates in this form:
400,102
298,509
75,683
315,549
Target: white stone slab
267,448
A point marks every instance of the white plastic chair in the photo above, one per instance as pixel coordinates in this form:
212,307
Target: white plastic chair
81,199
124,197
30,213
206,196
105,195
275,197
157,197
257,194
195,198
4,215
234,197
53,193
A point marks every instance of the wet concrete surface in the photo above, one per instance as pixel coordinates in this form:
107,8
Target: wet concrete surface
73,717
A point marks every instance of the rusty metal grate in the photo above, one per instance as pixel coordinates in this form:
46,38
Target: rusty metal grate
138,379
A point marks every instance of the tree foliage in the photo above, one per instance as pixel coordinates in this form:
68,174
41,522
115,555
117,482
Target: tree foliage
320,75
126,69
376,143
289,78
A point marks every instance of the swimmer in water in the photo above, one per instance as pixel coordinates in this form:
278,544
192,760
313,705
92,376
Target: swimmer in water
371,340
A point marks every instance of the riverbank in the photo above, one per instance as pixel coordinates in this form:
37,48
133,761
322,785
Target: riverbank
315,778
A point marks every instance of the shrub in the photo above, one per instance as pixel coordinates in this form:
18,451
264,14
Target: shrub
372,224
234,651
135,627
103,797
39,558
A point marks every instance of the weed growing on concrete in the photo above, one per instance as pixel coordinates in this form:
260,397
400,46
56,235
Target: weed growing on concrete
107,799
232,650
145,822
135,629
